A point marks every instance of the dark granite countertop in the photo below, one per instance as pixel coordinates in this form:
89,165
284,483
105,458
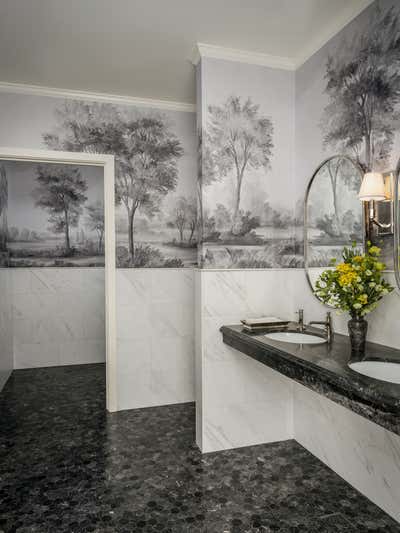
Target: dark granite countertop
324,369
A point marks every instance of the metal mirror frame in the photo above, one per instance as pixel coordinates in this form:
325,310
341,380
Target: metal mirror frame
396,229
305,223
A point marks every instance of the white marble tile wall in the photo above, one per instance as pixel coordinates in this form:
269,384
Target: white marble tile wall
363,453
58,316
155,337
6,327
239,401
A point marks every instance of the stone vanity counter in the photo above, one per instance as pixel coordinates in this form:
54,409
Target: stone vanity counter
324,369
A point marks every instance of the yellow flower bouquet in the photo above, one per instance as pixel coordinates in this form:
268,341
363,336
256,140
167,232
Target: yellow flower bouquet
355,285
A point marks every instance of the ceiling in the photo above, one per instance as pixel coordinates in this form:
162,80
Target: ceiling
143,48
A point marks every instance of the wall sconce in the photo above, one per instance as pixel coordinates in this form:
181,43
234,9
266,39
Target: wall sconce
377,192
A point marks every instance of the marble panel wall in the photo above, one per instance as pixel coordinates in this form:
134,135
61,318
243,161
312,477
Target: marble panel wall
363,453
58,316
239,401
155,337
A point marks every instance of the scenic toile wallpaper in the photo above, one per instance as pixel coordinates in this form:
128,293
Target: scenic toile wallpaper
348,102
156,212
246,147
155,151
51,215
238,202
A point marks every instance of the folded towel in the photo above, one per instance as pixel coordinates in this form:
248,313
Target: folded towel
263,320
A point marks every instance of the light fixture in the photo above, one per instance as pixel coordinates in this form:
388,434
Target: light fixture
377,187
372,187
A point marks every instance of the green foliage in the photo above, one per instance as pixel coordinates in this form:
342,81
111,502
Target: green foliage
355,285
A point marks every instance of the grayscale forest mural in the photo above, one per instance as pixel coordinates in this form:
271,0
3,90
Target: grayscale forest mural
156,211
51,215
236,149
362,84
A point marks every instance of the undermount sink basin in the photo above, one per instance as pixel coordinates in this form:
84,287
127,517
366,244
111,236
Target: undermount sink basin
295,337
378,370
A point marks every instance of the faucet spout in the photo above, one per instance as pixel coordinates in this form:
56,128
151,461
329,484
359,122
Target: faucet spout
327,323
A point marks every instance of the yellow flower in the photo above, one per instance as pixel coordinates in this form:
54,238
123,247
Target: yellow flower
347,278
379,266
363,299
374,250
344,268
358,259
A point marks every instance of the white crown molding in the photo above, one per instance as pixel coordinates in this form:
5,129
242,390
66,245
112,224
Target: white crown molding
285,63
241,56
330,31
20,88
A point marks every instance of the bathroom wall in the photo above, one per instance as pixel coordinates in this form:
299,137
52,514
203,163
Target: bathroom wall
318,114
247,158
6,326
156,357
238,403
58,316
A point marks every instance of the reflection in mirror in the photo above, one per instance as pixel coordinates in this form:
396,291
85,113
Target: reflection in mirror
333,216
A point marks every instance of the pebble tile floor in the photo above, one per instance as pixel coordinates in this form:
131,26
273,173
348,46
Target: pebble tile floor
69,467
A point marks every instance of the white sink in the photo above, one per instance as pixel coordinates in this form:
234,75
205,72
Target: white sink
378,370
295,337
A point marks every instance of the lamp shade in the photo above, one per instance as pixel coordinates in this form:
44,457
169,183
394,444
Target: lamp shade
372,187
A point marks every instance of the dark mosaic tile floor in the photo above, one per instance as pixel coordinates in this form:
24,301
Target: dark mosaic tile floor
68,467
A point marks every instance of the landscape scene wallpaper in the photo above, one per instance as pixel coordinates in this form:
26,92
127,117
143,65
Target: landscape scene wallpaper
354,105
156,211
263,133
51,215
247,214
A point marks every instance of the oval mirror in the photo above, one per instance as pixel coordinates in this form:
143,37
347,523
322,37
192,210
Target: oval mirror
396,240
333,214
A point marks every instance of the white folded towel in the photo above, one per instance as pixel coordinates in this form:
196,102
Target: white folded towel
262,320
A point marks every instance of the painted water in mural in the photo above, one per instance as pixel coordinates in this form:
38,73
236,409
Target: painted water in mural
51,215
156,211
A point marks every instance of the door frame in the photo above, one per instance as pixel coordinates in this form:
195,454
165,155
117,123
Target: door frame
107,162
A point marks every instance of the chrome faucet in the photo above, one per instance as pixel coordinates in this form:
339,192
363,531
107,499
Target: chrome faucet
328,325
300,323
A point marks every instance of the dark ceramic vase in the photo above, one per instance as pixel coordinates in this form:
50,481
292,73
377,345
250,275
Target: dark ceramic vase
358,327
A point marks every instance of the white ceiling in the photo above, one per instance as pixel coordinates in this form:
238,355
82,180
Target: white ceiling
143,48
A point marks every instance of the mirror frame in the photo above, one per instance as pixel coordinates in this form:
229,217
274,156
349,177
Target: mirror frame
305,215
396,222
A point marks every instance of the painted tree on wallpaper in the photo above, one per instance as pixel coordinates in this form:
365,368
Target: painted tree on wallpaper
95,222
363,85
61,192
147,153
184,215
147,169
46,207
240,228
241,139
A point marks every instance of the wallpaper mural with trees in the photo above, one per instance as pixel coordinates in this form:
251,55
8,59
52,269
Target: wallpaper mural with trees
246,212
51,215
359,104
155,203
